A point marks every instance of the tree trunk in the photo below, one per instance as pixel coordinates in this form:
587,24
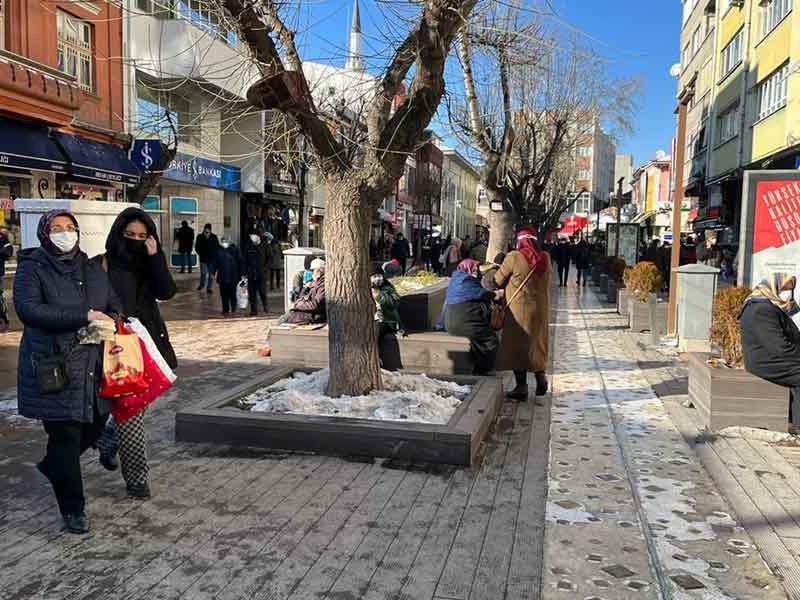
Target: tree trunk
354,363
501,226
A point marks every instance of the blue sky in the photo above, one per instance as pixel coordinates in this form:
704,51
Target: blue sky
638,39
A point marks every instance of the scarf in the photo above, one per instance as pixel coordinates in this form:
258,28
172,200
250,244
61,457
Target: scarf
468,266
770,289
43,233
529,248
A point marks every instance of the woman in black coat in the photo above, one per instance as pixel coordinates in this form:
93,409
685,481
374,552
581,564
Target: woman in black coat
770,337
139,275
57,291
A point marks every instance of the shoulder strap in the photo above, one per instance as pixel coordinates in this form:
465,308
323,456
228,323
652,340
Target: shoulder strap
519,289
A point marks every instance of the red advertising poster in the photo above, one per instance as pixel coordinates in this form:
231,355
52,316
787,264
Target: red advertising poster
776,229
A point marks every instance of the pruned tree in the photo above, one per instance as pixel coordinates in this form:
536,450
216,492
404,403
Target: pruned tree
529,92
396,118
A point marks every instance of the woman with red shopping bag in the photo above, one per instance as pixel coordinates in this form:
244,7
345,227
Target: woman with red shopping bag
139,275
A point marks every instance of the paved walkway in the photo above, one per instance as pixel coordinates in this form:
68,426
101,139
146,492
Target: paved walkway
627,510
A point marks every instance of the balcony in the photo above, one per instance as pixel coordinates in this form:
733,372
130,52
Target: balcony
36,90
177,49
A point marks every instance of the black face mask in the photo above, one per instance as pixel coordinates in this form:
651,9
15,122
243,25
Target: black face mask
135,247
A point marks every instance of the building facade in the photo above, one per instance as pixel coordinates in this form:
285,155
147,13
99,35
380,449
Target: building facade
651,195
61,103
595,163
460,188
740,100
623,169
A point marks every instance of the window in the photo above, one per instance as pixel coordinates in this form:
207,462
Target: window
582,205
732,54
728,124
584,150
75,49
772,92
687,53
144,5
584,175
207,16
724,6
772,13
152,108
697,39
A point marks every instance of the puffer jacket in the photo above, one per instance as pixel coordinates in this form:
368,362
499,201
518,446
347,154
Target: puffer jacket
52,298
770,343
256,260
310,306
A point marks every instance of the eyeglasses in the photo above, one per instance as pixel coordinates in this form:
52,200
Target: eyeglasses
60,229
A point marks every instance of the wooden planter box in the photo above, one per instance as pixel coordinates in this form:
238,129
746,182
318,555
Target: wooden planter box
603,283
729,397
424,352
623,296
611,292
219,420
639,316
597,270
420,310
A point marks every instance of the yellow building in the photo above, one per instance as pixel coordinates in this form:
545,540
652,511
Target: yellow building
754,99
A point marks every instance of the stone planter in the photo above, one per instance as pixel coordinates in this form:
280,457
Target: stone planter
639,315
603,283
420,310
219,420
727,397
597,272
623,295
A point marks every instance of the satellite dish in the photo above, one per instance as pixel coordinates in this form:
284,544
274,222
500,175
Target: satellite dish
675,70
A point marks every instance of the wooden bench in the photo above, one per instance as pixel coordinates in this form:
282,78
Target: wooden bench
422,352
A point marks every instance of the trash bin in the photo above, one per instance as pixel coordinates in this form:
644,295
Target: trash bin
697,285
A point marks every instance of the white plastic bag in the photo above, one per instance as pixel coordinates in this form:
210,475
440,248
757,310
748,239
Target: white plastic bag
242,296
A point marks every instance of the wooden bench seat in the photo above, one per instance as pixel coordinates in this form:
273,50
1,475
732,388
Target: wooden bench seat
421,352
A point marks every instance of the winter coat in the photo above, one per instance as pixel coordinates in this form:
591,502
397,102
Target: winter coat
185,239
256,260
207,248
770,343
275,256
310,306
387,303
478,252
6,252
525,339
52,298
400,250
463,287
562,254
229,264
582,255
140,280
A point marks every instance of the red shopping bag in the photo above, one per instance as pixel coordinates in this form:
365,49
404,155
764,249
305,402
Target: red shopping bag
158,382
123,367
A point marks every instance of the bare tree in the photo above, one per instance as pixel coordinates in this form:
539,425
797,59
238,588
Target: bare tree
396,119
529,92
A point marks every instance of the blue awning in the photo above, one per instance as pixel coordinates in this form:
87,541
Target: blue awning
28,147
88,159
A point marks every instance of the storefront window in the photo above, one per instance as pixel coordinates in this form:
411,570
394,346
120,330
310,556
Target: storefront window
10,189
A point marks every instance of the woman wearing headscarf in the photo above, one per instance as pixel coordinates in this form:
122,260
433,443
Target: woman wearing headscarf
770,335
468,315
139,275
525,276
58,291
452,256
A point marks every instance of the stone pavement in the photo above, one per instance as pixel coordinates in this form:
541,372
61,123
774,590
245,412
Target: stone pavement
627,510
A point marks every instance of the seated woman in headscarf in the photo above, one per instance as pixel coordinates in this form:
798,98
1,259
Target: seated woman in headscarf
468,315
770,335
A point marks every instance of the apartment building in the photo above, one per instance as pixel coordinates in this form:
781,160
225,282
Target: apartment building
61,103
651,194
745,73
595,163
460,187
623,169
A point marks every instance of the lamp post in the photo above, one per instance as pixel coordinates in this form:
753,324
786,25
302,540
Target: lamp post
619,216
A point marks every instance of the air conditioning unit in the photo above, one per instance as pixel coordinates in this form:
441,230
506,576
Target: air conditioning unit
738,3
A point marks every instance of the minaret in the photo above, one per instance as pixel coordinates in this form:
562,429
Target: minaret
355,61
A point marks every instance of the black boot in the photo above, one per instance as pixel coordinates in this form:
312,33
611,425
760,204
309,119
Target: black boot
541,383
76,523
140,491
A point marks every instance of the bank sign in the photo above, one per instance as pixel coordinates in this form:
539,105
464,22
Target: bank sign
770,226
201,171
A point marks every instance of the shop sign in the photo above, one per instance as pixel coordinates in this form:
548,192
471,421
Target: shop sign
201,171
771,226
628,242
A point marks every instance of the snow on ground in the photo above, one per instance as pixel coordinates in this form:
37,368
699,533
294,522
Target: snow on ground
405,397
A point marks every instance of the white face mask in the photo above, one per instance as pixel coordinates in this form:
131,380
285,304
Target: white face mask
64,240
255,239
786,295
225,244
376,280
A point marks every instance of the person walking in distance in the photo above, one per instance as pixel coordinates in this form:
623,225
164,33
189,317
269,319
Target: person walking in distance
58,291
185,241
207,245
275,264
525,275
6,252
230,271
400,251
256,260
563,256
138,271
583,260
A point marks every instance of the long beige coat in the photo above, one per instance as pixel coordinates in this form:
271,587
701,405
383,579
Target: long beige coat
526,335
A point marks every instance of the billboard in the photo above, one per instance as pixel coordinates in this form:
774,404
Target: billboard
628,242
770,229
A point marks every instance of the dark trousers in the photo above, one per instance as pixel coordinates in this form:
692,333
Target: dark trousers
274,279
66,441
257,288
583,275
471,320
563,274
186,261
389,347
227,293
403,262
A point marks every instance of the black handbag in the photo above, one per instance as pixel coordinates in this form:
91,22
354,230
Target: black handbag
51,373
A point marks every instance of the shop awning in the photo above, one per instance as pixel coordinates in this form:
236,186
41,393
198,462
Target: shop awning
28,147
88,159
645,216
573,224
